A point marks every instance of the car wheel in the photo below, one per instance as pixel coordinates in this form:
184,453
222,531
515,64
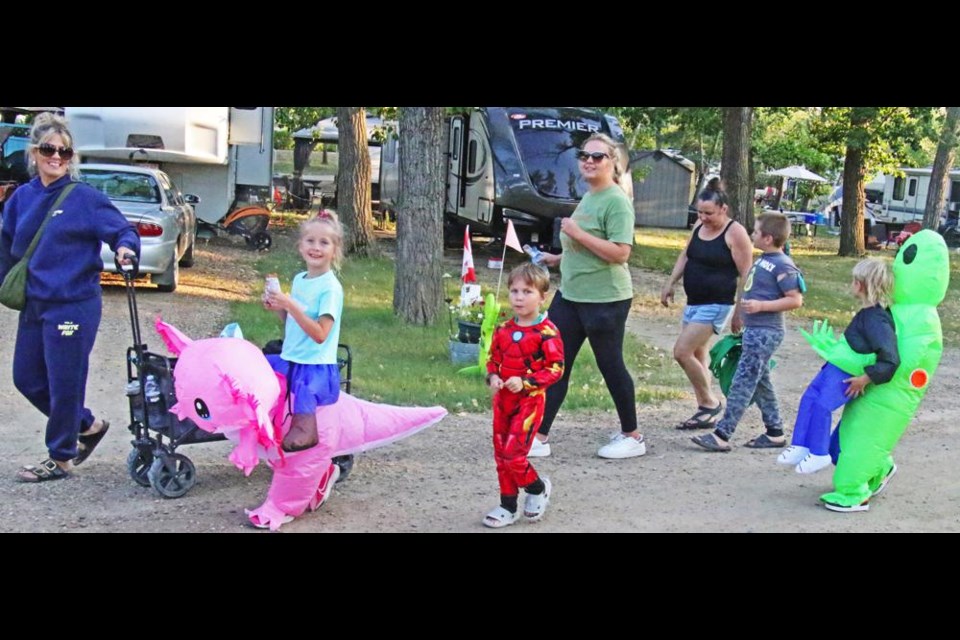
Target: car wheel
186,260
168,280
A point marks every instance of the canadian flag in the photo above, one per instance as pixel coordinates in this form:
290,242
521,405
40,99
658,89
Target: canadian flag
467,274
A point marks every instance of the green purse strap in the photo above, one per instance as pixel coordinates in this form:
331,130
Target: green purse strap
56,203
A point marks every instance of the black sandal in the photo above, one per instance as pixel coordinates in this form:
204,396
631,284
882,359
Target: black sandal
697,422
711,442
48,470
763,441
87,443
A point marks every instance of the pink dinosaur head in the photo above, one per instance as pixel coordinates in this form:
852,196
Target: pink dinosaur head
225,385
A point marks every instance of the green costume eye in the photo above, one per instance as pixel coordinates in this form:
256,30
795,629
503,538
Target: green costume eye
910,254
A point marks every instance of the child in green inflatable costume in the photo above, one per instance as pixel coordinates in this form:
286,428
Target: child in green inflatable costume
873,424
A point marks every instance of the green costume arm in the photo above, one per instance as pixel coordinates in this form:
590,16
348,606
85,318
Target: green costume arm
837,352
491,313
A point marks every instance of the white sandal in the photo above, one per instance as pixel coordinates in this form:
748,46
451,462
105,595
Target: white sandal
536,504
499,518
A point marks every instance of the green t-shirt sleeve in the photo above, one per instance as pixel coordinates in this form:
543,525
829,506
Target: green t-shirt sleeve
618,222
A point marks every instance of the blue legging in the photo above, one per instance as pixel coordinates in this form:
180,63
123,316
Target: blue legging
823,396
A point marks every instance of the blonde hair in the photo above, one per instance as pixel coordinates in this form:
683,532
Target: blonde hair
45,126
613,147
876,279
531,274
775,225
335,229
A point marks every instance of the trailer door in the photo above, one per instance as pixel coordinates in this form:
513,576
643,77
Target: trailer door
454,165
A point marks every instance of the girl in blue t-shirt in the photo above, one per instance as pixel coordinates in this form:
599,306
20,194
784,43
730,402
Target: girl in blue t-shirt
311,314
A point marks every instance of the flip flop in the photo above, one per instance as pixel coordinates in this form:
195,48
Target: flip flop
89,442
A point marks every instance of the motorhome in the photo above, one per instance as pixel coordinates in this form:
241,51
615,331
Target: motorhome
905,196
222,154
511,163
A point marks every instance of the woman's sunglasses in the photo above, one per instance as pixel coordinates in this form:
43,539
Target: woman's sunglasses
597,156
47,151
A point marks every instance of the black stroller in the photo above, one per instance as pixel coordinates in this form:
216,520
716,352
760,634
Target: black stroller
157,433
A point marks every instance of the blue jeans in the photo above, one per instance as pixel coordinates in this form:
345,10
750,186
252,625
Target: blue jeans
751,383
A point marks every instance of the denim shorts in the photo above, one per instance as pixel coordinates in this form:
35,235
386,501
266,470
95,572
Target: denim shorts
715,314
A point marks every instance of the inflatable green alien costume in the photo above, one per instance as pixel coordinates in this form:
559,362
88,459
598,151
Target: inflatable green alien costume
872,424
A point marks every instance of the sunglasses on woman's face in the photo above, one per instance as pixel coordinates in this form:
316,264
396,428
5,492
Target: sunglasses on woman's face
597,156
47,151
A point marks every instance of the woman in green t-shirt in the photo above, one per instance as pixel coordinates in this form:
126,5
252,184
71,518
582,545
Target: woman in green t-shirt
596,292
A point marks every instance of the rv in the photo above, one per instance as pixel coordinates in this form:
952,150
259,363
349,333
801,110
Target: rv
222,154
905,197
511,163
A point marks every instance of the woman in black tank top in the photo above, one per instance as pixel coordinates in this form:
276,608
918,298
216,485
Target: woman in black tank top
718,253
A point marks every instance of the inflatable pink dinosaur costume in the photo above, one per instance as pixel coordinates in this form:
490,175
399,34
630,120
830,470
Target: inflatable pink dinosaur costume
226,385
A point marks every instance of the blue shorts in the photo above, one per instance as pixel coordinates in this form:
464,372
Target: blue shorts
312,385
715,314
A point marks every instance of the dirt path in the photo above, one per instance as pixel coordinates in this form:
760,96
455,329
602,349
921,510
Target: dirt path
444,479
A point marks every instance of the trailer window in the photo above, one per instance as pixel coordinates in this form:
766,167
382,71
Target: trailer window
955,191
472,158
913,187
898,184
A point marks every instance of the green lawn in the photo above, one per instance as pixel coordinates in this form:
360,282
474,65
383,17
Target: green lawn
403,364
827,275
283,163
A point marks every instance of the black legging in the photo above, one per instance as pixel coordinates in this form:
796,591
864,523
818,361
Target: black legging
603,324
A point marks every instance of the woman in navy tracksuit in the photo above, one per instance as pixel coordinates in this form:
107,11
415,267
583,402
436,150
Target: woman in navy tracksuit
59,323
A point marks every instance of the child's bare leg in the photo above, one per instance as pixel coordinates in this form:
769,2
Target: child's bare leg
302,434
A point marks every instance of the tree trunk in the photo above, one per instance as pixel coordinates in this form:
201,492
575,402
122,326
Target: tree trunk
735,171
353,182
940,178
418,288
852,242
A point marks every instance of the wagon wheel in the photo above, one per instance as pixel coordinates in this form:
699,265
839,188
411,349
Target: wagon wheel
261,241
138,465
172,475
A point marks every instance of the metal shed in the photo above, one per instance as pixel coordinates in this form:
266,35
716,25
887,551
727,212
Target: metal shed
663,186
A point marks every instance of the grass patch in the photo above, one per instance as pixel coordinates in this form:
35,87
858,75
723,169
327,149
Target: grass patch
401,364
283,163
827,276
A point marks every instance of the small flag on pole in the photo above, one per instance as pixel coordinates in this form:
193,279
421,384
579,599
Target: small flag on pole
467,274
512,240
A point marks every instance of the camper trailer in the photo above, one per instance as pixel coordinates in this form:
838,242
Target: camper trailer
222,154
905,197
516,163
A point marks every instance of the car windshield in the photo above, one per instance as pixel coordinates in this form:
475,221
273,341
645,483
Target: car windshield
123,186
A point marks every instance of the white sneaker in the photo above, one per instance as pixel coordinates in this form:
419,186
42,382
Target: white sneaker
539,449
792,455
623,446
813,463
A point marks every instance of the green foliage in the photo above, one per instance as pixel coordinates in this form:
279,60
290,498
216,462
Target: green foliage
783,137
888,136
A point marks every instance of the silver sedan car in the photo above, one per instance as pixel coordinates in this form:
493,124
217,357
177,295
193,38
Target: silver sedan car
163,216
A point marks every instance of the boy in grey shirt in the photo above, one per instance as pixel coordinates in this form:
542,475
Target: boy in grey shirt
773,287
